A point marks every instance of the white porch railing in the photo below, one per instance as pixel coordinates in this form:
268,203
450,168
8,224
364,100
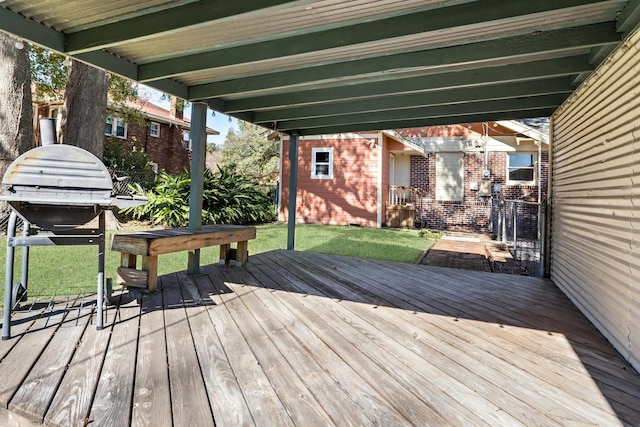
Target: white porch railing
402,196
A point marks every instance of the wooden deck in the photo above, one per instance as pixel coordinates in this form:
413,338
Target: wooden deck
307,339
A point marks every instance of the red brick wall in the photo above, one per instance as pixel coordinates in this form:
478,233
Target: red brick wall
349,198
168,151
474,212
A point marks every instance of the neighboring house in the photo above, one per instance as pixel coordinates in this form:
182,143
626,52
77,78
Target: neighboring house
163,134
443,177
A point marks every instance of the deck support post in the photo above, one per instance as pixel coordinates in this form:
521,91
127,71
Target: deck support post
293,189
198,137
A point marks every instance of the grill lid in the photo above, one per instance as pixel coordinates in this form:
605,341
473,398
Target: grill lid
61,187
57,186
59,166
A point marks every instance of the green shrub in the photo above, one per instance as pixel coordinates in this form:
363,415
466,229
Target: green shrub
122,155
227,199
425,233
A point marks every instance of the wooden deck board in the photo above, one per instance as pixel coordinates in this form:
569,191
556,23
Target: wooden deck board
495,344
112,402
302,405
39,388
263,401
326,389
313,339
72,403
151,398
363,404
16,365
189,402
227,402
427,363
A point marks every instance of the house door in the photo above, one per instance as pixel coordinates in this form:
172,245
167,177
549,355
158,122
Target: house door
402,171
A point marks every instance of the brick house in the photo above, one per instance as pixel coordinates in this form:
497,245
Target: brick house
163,134
442,177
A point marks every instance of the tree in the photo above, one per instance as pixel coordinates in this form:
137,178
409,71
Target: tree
85,108
84,90
16,113
249,153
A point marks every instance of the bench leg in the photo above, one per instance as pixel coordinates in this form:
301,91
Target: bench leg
150,265
224,248
242,253
128,260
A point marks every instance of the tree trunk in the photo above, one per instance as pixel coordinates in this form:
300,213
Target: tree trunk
16,111
85,109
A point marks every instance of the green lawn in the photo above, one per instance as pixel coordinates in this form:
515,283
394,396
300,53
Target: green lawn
62,269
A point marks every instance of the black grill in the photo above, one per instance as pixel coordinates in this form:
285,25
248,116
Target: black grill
56,189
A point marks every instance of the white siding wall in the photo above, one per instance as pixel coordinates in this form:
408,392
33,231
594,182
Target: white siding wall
595,240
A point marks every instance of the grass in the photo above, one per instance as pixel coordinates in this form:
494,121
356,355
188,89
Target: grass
63,270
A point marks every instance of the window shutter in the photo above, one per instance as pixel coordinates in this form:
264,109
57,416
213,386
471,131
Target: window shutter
449,176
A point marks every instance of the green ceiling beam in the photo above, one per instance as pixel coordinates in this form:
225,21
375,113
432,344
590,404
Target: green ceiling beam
424,21
449,80
27,29
110,62
401,124
558,85
171,87
508,48
49,38
164,22
481,107
629,19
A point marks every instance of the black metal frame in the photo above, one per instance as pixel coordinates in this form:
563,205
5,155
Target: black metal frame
80,236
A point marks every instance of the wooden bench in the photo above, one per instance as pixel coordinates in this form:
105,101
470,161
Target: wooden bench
150,244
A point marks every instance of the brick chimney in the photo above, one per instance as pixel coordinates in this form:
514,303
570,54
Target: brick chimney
176,108
172,108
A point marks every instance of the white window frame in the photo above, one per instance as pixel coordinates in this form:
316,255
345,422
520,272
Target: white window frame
154,129
534,168
116,122
314,163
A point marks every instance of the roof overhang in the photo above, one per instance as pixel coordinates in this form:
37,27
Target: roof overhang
330,66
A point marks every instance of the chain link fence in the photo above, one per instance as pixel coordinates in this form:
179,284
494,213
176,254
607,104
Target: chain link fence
122,179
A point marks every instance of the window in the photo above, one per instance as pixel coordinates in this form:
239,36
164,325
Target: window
116,126
522,168
154,129
449,176
322,163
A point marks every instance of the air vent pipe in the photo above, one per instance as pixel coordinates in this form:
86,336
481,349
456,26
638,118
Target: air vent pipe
48,131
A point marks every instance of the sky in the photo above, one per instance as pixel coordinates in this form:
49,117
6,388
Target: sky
219,122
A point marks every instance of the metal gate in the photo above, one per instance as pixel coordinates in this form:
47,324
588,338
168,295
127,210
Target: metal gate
517,223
